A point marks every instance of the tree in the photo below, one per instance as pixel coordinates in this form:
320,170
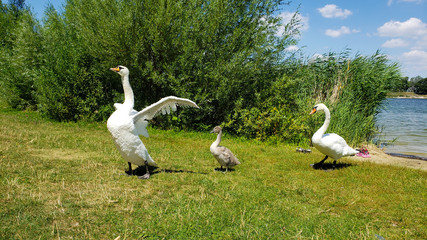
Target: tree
399,85
214,52
18,54
421,86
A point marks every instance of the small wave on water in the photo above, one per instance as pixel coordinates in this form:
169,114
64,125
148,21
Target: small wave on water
404,126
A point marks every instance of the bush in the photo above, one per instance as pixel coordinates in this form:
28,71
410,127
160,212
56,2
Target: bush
353,89
224,55
421,86
19,57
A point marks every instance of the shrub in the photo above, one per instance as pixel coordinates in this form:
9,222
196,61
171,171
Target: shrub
224,55
421,86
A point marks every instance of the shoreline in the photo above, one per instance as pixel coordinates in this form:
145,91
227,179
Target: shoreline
407,156
379,156
409,95
403,97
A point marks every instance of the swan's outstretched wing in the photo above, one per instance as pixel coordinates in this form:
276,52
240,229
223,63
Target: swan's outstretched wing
164,106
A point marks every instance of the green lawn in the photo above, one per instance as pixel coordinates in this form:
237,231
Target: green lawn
66,181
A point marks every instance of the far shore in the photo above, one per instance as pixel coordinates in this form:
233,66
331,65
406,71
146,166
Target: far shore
405,95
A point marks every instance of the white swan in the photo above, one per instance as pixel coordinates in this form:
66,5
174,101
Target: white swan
126,124
222,154
330,144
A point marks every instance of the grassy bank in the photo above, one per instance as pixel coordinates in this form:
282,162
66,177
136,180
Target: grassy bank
65,181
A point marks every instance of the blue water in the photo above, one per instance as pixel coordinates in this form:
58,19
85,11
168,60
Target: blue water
404,120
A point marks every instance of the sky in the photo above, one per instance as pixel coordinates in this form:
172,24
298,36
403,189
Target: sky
397,28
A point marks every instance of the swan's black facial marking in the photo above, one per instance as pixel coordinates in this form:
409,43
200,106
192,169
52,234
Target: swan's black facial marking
120,67
314,110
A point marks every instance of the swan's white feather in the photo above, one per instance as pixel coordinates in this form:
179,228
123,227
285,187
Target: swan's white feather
330,144
164,105
334,146
126,124
141,125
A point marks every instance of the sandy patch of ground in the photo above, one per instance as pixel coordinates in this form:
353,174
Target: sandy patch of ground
405,95
380,157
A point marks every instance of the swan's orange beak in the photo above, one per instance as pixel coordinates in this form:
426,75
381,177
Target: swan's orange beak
313,111
115,69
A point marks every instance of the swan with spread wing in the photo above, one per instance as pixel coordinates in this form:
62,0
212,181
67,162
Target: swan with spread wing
126,124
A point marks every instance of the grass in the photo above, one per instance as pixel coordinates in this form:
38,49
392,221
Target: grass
66,181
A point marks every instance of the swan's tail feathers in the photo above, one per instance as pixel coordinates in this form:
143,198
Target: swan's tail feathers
234,161
351,151
148,158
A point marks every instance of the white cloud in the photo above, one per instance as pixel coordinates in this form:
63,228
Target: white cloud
341,31
410,33
292,48
317,57
421,43
394,43
333,11
416,60
412,27
286,18
416,56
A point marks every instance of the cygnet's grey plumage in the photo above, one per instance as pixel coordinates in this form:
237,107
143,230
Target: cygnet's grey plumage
222,154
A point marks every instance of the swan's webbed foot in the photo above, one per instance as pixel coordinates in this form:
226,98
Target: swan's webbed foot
145,176
147,172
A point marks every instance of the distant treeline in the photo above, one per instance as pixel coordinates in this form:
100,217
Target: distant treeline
227,56
417,85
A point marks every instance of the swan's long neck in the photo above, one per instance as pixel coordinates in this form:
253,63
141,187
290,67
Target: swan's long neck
217,141
325,125
129,101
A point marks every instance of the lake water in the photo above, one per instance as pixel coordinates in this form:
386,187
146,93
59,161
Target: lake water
406,121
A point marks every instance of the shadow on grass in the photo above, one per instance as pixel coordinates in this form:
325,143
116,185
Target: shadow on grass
224,170
330,166
140,170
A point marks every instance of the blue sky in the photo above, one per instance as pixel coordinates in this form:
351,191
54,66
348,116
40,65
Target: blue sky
398,28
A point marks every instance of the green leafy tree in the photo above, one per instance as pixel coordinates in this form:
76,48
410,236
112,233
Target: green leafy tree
225,55
421,86
214,52
20,50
